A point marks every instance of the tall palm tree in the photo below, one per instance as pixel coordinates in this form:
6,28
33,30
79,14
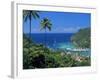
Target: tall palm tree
28,15
46,24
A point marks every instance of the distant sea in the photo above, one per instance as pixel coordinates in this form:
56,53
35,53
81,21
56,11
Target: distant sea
54,40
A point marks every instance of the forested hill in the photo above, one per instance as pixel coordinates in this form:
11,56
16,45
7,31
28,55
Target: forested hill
82,38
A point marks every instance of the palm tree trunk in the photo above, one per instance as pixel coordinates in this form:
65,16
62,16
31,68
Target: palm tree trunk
30,33
30,28
45,44
45,36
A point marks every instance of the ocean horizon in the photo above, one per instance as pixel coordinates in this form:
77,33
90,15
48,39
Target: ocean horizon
51,39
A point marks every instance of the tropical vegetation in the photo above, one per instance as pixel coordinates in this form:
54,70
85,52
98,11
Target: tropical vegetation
82,38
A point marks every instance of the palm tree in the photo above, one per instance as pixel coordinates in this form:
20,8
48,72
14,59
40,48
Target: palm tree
29,14
46,24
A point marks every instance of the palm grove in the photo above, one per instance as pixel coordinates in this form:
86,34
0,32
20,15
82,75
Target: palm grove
39,56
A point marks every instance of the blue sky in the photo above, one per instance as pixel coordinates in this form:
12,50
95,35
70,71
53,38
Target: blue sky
62,22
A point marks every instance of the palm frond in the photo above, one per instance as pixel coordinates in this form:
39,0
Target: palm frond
28,13
45,23
49,27
35,14
25,15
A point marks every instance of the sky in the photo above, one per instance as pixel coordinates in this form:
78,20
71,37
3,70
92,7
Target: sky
62,22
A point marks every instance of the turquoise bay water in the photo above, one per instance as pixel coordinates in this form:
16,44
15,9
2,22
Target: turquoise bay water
69,46
57,41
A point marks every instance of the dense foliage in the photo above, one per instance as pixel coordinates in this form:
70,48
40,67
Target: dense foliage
82,38
39,56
